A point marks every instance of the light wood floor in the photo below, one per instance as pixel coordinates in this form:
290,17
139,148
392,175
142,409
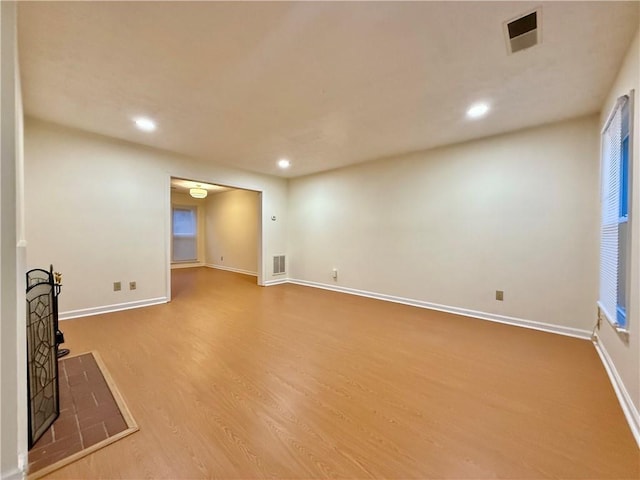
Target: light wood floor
231,380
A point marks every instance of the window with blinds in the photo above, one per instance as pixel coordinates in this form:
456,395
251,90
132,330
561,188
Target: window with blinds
185,232
614,229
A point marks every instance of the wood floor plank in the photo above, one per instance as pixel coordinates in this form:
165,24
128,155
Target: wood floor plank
232,380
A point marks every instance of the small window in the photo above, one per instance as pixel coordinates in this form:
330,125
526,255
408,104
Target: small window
615,211
185,234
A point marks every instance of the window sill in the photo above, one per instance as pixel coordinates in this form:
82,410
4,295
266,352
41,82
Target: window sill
622,332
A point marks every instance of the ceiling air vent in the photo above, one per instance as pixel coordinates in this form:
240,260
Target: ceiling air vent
523,32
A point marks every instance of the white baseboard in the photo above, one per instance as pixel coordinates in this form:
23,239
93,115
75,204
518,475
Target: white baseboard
520,322
15,474
85,312
628,407
187,265
23,459
271,283
231,269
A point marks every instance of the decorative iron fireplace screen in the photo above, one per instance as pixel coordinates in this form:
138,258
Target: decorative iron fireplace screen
42,362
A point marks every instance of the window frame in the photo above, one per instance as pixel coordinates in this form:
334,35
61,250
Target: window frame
624,108
194,209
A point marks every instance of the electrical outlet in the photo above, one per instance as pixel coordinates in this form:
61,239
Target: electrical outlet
132,285
334,273
499,295
117,286
222,259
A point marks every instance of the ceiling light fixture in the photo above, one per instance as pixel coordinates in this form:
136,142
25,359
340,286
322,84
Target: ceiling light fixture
477,110
198,192
145,124
284,163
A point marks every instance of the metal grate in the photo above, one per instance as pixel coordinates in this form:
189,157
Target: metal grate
42,361
278,264
523,32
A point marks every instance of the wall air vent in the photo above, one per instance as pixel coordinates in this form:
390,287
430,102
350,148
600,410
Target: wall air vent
523,32
278,264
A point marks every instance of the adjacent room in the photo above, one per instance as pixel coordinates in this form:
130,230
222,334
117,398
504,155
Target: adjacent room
214,226
320,240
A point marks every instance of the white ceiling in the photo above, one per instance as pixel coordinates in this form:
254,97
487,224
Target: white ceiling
322,84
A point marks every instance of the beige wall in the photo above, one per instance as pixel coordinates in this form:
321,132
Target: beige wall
624,351
516,212
183,199
232,226
98,209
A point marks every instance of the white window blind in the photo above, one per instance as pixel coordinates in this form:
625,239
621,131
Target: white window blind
185,231
610,205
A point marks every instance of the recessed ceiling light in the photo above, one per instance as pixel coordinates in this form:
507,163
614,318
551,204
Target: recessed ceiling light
477,110
284,163
145,124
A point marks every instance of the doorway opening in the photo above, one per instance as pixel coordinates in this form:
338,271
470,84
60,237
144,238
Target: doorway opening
214,226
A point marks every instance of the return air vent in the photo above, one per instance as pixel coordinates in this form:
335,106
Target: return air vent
278,264
523,32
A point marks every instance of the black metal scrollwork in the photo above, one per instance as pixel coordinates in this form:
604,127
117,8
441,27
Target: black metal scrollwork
43,338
